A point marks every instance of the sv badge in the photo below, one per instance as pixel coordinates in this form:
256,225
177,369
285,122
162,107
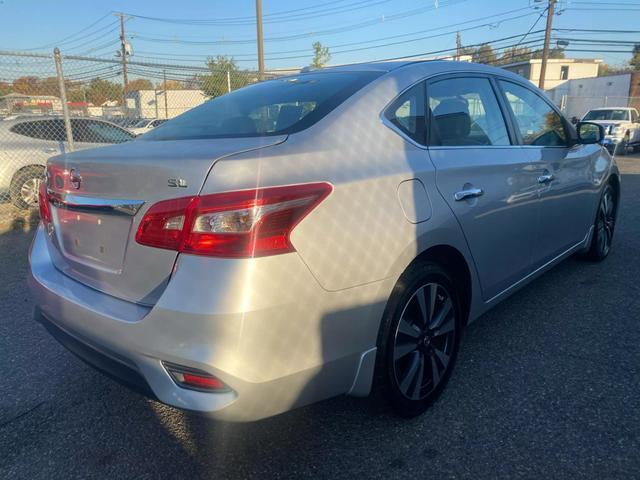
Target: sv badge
177,182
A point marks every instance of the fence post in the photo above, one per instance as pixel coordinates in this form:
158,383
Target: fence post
63,98
228,81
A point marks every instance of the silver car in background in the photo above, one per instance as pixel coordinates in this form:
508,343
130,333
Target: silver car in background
322,234
27,143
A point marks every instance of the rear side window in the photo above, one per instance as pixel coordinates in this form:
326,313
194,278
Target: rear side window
465,112
92,131
273,107
539,124
52,130
407,113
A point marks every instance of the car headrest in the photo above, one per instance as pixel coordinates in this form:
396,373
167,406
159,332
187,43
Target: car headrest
452,120
289,114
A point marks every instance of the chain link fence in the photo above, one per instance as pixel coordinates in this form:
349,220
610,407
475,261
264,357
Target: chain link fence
51,104
578,106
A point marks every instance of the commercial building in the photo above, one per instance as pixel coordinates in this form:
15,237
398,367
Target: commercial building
559,70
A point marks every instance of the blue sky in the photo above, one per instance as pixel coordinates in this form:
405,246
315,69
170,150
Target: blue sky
348,27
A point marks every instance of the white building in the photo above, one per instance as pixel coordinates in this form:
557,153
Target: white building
576,97
163,103
559,70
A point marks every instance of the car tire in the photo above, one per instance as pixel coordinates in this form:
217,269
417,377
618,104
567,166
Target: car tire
24,187
424,311
604,225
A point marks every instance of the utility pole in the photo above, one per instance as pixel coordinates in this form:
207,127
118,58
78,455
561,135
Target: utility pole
458,46
259,37
166,105
123,54
547,39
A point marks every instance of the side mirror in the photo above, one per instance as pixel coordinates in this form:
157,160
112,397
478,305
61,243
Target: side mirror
589,133
574,120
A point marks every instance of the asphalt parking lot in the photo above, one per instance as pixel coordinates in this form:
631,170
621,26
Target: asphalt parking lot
547,386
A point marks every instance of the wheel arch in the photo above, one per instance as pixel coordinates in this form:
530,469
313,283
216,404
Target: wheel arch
27,167
454,262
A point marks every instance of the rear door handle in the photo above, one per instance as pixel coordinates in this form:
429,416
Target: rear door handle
546,178
468,193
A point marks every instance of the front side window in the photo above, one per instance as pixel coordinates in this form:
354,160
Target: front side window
465,112
407,113
539,124
274,107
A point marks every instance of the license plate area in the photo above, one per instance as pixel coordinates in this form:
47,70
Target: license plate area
93,239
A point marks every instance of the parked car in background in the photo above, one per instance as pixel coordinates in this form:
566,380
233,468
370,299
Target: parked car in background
621,125
143,126
328,233
27,142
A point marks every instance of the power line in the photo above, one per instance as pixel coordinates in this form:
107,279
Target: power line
330,31
49,45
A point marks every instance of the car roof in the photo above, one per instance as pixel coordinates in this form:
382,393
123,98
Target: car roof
433,67
611,108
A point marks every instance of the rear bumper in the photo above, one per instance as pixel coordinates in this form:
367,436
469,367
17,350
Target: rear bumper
263,326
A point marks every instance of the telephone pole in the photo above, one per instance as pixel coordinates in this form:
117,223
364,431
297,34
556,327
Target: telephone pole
458,46
547,39
259,36
123,54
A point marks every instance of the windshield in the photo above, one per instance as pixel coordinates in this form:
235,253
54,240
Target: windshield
607,115
273,107
141,124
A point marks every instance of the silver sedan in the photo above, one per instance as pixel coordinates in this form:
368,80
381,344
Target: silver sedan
322,234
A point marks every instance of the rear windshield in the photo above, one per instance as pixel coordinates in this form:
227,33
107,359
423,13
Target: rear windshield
607,115
273,107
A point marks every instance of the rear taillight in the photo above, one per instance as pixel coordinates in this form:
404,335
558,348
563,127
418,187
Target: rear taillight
43,204
241,224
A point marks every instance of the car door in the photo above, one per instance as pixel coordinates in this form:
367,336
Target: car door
484,176
563,168
49,136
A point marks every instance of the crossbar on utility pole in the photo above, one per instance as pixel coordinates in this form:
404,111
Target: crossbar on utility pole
547,40
259,37
63,98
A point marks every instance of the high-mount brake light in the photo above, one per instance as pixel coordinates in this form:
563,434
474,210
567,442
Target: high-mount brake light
238,224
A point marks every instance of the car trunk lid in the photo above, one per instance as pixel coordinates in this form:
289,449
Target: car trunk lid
99,196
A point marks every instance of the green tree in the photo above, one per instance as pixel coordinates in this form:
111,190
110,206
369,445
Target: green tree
170,85
515,54
216,82
635,58
101,91
485,54
76,95
5,88
139,84
321,55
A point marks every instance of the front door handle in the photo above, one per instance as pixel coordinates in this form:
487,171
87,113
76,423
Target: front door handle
468,193
546,178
